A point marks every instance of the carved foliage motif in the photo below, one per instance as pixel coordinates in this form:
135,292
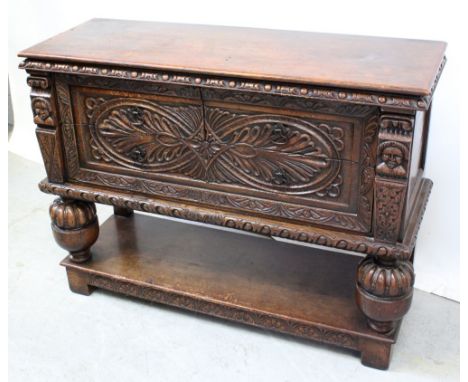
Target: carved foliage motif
153,187
389,200
314,332
288,102
268,152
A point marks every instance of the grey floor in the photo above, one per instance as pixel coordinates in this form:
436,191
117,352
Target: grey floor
55,335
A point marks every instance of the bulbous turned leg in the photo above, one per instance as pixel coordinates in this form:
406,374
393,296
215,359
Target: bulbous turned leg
384,290
123,211
75,226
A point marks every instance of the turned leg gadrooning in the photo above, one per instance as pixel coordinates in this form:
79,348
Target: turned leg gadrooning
384,290
75,227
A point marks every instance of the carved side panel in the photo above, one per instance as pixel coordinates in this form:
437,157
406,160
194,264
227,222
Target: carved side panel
392,169
46,119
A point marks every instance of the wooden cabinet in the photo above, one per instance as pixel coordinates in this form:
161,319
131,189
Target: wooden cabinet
310,137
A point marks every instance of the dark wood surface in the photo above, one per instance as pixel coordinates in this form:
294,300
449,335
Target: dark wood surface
294,135
254,280
360,62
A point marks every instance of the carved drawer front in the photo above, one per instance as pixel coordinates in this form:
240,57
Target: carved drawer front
167,141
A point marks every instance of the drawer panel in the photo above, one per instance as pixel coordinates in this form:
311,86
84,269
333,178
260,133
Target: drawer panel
284,163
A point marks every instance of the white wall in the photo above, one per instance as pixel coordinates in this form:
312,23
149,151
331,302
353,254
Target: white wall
437,259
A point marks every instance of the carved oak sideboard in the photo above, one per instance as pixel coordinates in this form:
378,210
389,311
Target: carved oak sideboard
311,137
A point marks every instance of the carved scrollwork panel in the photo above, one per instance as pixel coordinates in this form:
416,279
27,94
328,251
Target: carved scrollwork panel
264,151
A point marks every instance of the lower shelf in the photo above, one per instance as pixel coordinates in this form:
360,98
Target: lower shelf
297,290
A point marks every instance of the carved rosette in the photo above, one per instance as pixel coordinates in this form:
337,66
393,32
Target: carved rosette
75,226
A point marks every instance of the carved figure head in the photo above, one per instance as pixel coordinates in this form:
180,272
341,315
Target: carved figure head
392,156
41,109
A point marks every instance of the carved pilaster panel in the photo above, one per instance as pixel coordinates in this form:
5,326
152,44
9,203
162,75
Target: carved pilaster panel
392,169
389,201
46,118
42,102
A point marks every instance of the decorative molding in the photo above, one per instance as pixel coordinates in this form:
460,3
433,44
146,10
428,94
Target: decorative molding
250,317
37,82
367,172
304,104
68,129
418,210
268,227
218,82
248,203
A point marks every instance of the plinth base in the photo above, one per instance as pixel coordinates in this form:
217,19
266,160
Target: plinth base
296,290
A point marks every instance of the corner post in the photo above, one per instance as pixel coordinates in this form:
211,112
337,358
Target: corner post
46,119
384,285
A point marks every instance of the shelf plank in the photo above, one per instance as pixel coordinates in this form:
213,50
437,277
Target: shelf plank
292,289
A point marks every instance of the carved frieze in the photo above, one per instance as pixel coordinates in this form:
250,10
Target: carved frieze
264,87
340,240
281,324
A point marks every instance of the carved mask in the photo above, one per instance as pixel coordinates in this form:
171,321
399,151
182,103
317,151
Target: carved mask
392,156
41,109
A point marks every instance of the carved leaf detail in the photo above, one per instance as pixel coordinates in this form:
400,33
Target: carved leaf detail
268,152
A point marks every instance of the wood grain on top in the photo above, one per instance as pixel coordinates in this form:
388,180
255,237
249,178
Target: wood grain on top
369,63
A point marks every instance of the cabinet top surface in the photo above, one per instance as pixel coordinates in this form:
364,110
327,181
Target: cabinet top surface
356,62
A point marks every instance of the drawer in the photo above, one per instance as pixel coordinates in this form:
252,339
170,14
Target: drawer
304,163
